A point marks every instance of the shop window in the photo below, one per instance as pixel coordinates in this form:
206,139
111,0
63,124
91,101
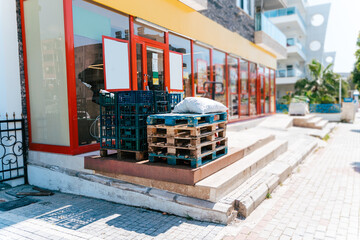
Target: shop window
47,81
233,76
183,46
267,90
142,30
244,77
91,22
261,76
252,89
219,76
201,70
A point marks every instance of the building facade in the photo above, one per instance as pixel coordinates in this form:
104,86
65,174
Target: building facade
304,26
72,46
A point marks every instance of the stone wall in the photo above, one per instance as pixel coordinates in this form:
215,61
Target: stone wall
227,14
22,71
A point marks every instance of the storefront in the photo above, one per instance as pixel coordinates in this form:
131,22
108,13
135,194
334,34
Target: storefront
74,48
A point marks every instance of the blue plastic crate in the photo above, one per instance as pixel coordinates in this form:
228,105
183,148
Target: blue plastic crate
132,132
135,108
135,97
107,99
129,120
174,99
133,144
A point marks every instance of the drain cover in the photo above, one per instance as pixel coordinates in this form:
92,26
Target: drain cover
10,205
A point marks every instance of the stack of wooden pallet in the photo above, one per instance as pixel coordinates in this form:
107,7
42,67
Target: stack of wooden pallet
191,139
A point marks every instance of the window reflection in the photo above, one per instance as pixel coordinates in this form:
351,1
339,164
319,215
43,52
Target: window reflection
142,30
233,87
182,45
253,102
47,72
91,22
244,76
219,76
201,70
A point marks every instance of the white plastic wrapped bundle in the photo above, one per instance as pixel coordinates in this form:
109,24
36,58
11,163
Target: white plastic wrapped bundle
199,105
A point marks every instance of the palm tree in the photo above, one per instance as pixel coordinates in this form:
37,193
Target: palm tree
323,87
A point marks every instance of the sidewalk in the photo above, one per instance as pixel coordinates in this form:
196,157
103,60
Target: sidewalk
320,201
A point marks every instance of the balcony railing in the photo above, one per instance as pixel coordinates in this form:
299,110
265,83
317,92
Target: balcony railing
265,25
284,12
282,73
295,42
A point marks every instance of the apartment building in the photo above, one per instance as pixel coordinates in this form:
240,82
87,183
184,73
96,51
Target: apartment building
304,27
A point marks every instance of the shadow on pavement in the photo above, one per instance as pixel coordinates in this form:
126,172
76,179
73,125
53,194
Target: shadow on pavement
76,212
356,166
355,130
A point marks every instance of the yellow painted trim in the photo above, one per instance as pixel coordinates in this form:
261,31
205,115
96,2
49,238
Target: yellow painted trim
177,17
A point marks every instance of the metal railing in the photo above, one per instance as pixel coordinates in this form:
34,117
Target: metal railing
265,25
13,150
281,73
285,12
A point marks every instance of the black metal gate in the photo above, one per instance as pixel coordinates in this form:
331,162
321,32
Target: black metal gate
12,149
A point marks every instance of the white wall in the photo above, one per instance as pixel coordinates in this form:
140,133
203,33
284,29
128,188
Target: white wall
10,91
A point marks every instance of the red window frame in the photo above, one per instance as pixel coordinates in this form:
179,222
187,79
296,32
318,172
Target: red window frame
103,52
74,147
182,72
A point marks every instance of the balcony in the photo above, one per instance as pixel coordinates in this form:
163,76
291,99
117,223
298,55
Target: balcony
268,36
287,19
270,4
288,76
295,49
197,5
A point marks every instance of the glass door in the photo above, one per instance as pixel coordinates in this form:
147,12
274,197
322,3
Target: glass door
155,68
149,67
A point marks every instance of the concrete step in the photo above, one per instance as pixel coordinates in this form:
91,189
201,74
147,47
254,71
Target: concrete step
315,120
253,191
114,190
300,121
226,180
321,133
278,122
321,124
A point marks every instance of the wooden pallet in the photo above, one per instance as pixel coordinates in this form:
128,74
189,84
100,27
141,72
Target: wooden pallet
191,120
183,130
193,162
126,154
193,151
190,141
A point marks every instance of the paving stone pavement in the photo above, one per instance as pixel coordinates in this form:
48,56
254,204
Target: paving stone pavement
66,216
321,200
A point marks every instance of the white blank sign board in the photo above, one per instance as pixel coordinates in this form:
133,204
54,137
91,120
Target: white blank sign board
116,61
176,74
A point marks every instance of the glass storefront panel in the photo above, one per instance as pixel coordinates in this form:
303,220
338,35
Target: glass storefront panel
244,78
91,22
182,45
233,76
139,69
45,45
272,91
261,74
155,68
219,75
201,70
253,86
142,30
267,90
